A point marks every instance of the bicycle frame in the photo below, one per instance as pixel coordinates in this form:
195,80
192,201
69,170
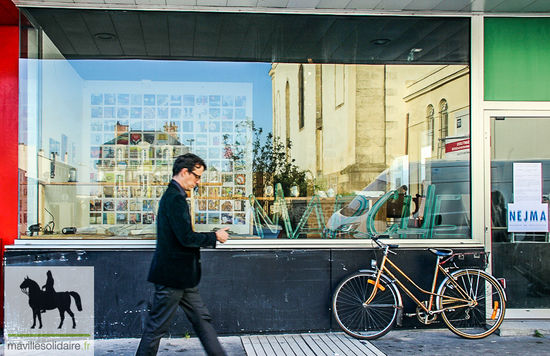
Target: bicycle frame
465,301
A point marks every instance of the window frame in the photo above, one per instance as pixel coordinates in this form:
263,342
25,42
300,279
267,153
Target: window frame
476,62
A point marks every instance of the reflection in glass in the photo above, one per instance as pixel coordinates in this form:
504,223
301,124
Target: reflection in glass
373,137
320,150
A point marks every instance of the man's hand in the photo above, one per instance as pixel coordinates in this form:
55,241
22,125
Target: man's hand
222,235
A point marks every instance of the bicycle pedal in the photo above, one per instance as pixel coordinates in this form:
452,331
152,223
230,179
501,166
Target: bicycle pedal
410,315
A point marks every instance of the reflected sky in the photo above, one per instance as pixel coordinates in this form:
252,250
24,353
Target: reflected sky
188,71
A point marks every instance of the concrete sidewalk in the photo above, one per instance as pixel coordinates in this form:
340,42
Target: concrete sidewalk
426,342
440,342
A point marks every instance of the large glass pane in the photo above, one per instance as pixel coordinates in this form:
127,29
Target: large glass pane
107,137
519,148
294,150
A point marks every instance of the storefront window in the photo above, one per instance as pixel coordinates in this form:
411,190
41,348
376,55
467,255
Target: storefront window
294,150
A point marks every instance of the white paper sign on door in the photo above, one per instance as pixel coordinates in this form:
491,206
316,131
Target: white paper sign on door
527,182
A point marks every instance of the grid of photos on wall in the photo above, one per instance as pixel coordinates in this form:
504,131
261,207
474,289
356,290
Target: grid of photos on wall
222,201
134,139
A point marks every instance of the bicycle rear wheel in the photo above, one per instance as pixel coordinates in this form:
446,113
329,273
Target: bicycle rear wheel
487,312
365,321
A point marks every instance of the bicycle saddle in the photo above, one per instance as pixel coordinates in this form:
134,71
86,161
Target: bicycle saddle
441,252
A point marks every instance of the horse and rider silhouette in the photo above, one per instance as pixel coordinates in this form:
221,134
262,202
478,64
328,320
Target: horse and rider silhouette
41,300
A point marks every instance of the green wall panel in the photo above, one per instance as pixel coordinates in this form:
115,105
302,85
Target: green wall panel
517,59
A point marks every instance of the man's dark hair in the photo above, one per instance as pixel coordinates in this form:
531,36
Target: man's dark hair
190,161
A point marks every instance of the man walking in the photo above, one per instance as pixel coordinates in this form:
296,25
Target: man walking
175,269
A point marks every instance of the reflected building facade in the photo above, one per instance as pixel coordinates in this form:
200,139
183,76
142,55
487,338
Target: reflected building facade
349,123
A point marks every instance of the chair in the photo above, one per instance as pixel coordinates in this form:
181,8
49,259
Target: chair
425,230
431,226
280,210
313,205
371,228
262,222
449,229
359,205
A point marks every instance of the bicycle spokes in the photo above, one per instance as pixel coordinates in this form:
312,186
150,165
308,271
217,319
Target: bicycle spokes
474,303
357,317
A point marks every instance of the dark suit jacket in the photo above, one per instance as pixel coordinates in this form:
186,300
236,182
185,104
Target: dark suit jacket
176,262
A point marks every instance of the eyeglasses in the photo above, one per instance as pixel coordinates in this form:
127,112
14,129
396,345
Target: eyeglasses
197,177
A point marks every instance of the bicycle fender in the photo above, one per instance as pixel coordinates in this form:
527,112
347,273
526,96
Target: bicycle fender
399,317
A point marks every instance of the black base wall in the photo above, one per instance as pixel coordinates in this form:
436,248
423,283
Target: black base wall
246,291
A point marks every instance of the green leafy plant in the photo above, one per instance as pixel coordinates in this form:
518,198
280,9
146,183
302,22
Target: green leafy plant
271,160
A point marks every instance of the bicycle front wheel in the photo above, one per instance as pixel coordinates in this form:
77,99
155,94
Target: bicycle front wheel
360,320
485,312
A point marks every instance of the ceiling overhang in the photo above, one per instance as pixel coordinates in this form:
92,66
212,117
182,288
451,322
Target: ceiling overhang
256,37
305,31
391,7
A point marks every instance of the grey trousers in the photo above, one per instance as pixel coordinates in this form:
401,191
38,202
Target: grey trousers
165,304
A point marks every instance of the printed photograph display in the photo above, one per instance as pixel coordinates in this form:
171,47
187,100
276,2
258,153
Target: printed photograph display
135,137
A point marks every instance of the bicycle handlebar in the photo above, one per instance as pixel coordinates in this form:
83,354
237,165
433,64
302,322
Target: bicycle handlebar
382,245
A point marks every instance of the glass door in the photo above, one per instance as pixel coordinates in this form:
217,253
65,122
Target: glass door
520,178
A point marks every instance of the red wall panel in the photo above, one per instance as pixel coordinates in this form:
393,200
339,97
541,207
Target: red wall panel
9,126
9,115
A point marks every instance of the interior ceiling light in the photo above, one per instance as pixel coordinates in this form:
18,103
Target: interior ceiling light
410,57
380,41
104,36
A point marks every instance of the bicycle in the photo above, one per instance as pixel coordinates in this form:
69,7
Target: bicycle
471,302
